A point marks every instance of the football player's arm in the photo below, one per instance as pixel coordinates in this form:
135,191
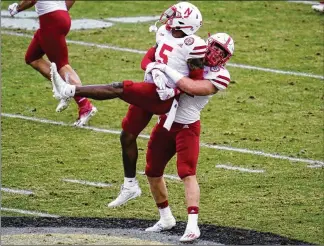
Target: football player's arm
196,87
201,87
149,57
69,4
196,68
22,5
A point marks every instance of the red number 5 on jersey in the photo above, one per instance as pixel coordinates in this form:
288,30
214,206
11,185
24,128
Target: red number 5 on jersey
164,53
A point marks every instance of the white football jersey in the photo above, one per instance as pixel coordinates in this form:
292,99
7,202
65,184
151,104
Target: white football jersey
162,33
190,106
176,51
44,6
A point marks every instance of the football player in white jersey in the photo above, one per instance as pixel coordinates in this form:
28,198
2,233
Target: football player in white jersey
49,39
177,46
183,137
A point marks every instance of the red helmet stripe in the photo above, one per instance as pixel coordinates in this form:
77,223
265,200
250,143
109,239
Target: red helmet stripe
228,41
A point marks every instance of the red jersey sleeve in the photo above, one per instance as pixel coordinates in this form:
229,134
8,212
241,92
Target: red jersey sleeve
148,58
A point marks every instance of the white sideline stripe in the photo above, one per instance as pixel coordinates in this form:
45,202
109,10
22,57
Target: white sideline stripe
20,211
84,182
169,176
21,192
276,71
103,46
240,169
255,152
316,166
304,2
246,151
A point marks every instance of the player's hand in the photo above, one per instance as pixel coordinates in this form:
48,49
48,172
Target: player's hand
13,9
155,65
159,79
166,94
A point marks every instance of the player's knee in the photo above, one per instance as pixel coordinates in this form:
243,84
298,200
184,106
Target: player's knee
151,172
127,139
186,170
29,60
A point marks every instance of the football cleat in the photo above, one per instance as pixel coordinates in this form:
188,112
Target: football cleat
61,89
190,234
125,194
63,104
318,7
162,225
85,113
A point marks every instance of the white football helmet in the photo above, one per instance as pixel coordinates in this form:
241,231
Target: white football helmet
220,48
182,16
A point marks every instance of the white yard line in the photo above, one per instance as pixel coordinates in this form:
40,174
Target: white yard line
316,166
239,169
304,2
84,182
104,46
21,192
20,211
168,176
255,152
246,151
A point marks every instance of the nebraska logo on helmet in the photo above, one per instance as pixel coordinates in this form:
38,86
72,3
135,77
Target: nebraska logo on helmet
187,13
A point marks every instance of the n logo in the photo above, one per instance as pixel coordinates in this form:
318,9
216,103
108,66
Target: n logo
187,13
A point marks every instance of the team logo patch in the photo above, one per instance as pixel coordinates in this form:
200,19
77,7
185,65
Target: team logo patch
214,69
189,41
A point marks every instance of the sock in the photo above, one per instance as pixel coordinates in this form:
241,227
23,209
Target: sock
192,216
129,182
164,210
70,92
81,101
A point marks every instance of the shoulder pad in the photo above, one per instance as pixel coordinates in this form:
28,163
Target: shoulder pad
161,33
219,76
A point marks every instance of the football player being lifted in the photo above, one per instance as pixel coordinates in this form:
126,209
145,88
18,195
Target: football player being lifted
178,47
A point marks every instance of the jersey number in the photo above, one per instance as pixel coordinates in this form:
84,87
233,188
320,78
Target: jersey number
163,55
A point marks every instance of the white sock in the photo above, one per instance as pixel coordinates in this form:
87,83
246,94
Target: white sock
70,90
192,220
165,212
129,182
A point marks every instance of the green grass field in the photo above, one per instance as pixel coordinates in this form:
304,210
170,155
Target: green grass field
261,111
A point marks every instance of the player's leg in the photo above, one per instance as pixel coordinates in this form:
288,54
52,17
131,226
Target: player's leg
54,28
34,54
187,142
144,95
140,94
161,148
42,66
34,58
133,123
